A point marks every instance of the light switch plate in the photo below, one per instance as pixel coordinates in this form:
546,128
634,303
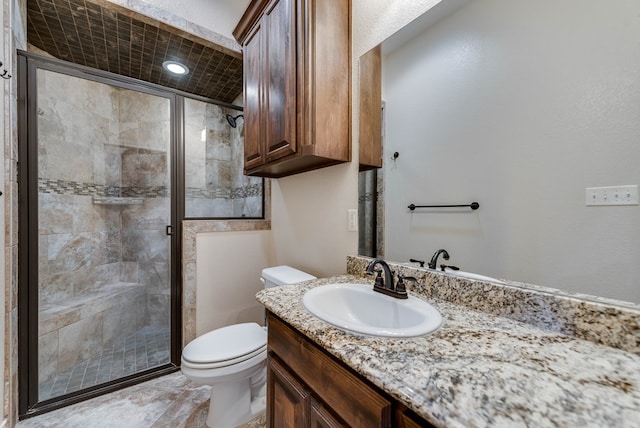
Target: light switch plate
612,195
352,220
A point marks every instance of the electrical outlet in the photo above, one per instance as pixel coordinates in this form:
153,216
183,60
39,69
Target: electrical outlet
352,220
612,195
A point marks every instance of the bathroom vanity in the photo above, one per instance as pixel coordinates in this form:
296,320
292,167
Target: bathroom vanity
309,387
504,356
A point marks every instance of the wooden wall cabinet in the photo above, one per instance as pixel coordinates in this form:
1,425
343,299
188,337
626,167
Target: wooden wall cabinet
307,387
370,118
297,85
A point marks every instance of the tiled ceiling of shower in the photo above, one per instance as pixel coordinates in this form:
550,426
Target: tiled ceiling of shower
109,37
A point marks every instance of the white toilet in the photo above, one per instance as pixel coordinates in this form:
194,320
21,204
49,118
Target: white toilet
232,360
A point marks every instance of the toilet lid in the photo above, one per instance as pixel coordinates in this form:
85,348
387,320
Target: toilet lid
226,343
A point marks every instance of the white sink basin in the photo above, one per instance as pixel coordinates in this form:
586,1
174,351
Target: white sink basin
472,275
359,309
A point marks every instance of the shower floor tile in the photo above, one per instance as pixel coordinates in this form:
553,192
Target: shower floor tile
147,348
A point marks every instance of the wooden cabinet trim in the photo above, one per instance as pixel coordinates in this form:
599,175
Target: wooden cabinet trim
321,417
250,16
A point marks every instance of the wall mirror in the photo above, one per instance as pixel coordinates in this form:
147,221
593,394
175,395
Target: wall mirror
521,106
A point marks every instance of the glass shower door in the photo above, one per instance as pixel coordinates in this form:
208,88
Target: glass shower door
104,256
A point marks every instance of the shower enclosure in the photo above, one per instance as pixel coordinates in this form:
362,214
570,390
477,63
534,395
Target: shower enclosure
109,168
99,210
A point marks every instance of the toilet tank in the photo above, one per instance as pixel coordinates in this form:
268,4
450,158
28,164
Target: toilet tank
282,275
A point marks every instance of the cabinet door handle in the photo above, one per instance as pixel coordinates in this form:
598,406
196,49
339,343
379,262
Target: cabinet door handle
169,230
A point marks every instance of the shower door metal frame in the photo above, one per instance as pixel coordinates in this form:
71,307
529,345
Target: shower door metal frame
28,64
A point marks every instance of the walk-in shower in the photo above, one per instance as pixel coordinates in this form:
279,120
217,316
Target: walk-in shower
103,173
110,167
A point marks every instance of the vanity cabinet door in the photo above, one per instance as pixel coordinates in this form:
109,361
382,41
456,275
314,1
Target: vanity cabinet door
291,404
287,398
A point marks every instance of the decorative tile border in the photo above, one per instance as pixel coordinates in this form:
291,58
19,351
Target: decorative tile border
66,187
216,193
224,192
368,197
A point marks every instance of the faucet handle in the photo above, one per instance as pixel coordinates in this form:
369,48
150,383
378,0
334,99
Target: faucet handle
400,285
420,262
443,267
401,278
378,281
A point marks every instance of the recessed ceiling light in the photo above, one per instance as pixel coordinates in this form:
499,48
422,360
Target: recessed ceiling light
175,67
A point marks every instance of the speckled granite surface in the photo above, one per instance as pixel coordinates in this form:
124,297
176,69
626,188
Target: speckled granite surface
520,367
606,321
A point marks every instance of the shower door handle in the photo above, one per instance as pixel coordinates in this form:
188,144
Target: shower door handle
169,230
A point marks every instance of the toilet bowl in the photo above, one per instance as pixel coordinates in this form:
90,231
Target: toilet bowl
232,360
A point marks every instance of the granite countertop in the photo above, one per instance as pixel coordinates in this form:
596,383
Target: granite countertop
481,369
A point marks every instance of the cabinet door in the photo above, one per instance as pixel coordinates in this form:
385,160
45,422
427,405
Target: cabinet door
287,399
254,49
370,122
280,89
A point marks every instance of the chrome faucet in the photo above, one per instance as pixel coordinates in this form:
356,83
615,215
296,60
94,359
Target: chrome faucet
386,285
434,260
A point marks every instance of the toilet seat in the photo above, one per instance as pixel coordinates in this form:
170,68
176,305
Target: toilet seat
226,346
225,363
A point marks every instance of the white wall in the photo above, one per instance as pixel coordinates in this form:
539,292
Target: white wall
229,266
309,219
519,105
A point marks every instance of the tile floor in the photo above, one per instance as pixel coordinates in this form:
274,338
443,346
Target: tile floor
170,401
145,349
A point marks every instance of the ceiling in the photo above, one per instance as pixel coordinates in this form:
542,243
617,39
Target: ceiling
106,36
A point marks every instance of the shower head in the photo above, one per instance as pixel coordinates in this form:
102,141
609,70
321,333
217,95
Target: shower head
232,120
